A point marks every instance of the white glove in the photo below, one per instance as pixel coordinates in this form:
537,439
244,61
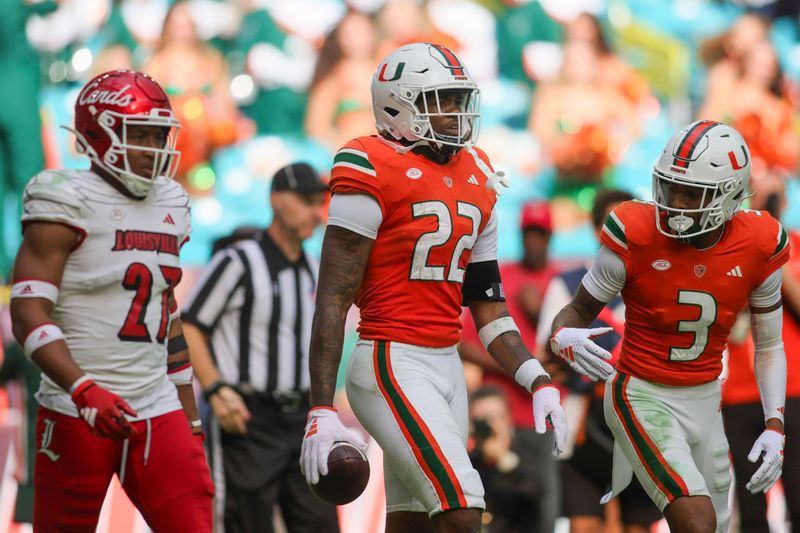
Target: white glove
547,405
323,429
575,346
768,446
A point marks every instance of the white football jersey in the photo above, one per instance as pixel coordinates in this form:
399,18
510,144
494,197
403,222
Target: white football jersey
113,304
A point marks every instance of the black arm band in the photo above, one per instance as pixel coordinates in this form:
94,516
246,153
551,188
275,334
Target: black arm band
177,344
482,282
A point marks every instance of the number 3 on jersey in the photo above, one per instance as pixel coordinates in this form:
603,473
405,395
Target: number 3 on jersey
420,269
139,279
699,327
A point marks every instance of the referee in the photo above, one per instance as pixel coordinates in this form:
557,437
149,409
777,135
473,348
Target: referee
248,325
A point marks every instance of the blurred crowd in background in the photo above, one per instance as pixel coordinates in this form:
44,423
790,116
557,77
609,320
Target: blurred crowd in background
576,96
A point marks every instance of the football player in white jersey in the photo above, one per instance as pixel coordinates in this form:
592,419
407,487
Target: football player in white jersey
93,306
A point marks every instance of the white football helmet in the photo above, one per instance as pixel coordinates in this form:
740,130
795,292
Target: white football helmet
712,157
414,70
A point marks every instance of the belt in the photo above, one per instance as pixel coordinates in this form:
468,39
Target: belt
291,401
286,401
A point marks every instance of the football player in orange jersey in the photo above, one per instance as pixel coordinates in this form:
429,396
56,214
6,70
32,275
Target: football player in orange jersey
412,234
683,280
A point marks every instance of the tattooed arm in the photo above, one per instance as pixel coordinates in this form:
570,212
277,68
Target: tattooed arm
342,264
507,349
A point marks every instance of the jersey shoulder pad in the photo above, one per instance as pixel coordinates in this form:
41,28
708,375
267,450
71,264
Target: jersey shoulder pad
765,236
52,195
355,169
762,230
614,234
630,224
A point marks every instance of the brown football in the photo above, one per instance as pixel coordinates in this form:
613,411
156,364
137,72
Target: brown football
348,474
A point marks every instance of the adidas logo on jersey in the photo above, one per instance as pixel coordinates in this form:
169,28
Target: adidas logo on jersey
473,180
735,272
168,220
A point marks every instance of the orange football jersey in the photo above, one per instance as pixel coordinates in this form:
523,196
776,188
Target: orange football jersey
681,302
432,216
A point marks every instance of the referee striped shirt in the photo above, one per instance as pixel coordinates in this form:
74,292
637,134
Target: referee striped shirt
257,306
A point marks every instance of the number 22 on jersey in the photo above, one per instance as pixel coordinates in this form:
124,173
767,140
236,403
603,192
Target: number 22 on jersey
420,269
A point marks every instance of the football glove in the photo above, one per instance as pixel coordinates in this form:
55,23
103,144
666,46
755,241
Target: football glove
576,347
323,429
104,411
547,406
768,447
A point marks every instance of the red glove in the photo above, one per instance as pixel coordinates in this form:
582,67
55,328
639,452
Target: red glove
103,411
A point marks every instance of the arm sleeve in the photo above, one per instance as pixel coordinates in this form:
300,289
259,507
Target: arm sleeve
606,277
769,292
213,291
359,213
770,362
485,248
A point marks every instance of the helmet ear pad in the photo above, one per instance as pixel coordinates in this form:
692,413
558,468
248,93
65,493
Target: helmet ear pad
711,157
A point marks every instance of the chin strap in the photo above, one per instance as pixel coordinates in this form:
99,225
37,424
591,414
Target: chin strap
401,148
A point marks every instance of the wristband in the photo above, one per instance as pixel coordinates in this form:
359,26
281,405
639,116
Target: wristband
41,336
527,373
35,288
495,328
78,382
195,423
81,387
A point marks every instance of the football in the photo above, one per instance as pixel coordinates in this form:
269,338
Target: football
348,473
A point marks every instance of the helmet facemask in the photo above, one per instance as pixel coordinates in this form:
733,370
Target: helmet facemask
430,104
719,200
115,161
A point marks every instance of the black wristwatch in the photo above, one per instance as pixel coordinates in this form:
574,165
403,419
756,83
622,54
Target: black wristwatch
214,388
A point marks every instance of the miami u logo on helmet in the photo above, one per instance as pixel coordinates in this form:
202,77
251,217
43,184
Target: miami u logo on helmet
734,163
397,72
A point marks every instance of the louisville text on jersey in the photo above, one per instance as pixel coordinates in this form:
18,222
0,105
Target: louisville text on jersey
147,241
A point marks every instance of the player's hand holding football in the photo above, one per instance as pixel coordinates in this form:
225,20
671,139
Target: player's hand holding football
768,447
323,429
547,406
103,410
576,347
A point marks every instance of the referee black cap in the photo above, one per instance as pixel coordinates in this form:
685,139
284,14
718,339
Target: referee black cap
300,178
